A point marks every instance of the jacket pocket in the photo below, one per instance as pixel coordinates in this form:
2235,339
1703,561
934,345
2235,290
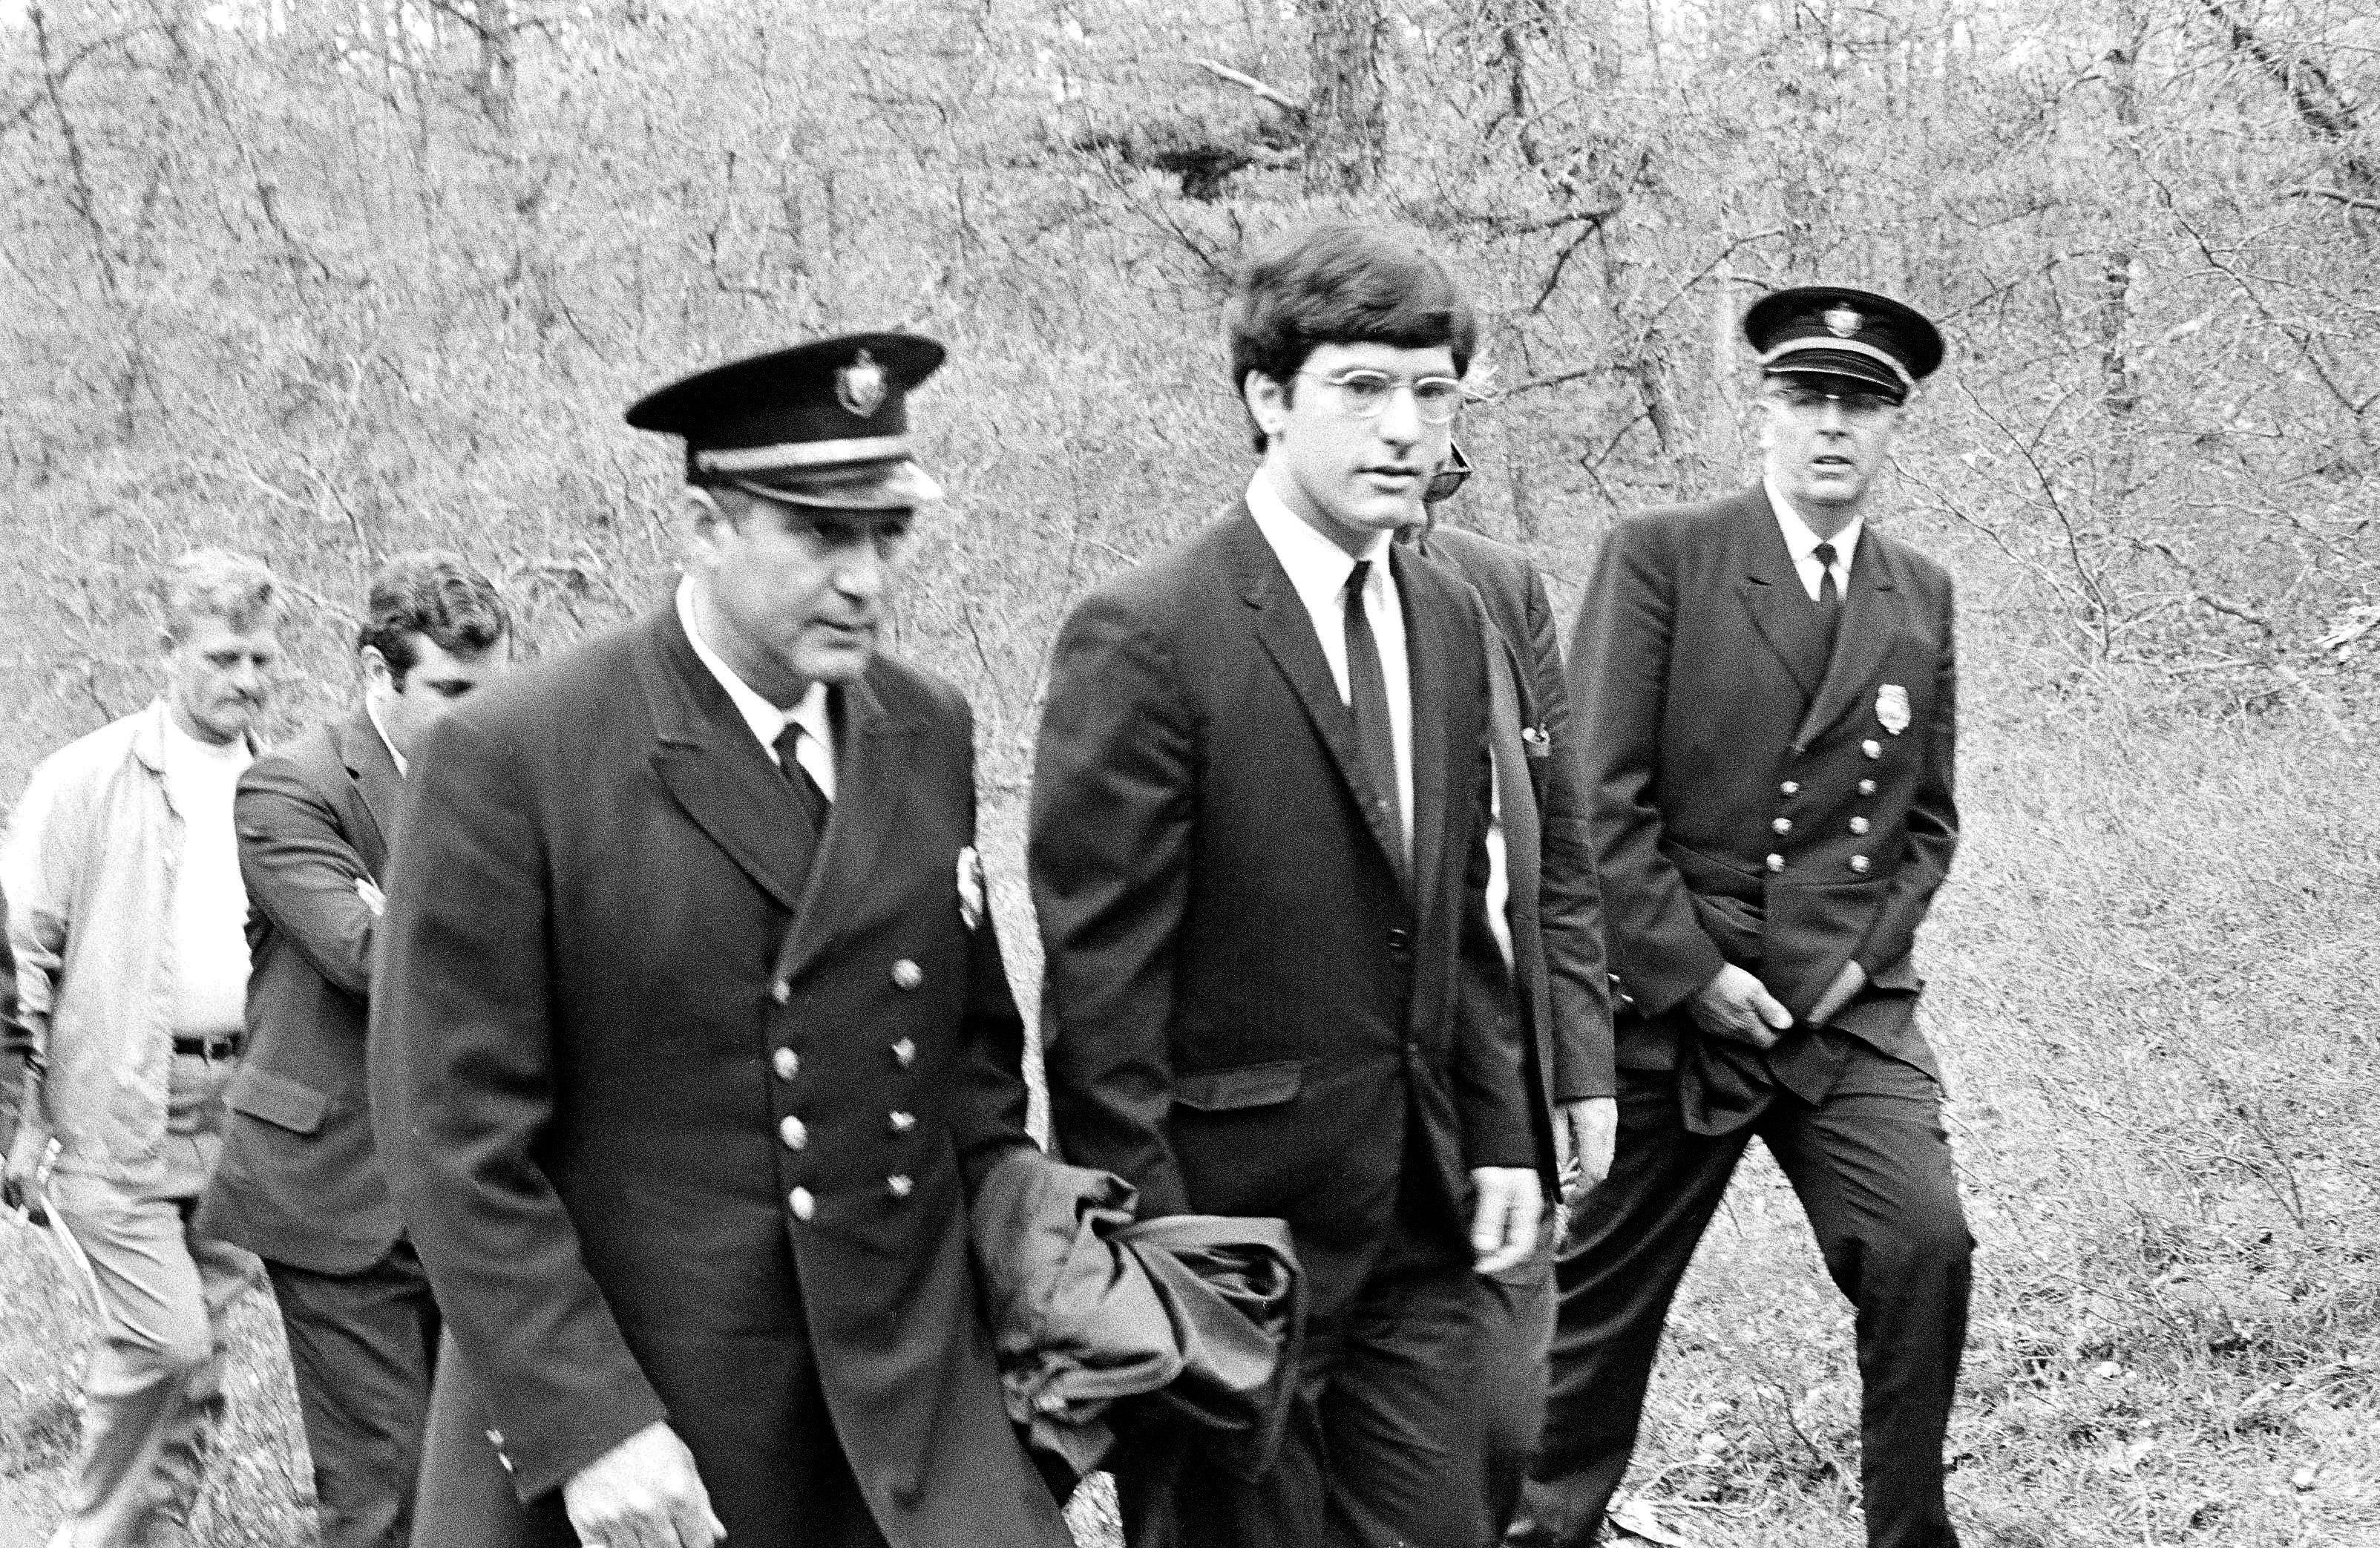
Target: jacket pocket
278,1100
1246,1085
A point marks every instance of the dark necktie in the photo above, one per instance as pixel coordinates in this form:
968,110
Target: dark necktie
1830,598
1367,696
814,804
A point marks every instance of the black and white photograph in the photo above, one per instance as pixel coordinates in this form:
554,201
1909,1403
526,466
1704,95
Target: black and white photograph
1190,774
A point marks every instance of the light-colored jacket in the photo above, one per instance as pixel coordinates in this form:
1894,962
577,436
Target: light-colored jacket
88,866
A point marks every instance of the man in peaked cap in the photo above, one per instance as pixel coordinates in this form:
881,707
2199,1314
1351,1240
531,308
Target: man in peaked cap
1767,694
692,1032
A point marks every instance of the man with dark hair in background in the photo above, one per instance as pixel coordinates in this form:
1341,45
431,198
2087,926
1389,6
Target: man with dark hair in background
1548,910
300,1183
1768,688
1259,854
123,880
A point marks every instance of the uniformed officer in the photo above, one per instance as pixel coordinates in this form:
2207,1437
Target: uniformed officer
1768,691
692,1029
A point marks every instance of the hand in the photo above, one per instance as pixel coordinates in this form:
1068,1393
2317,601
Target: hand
1737,1005
1850,982
23,1168
1589,1132
1504,1218
372,897
643,1493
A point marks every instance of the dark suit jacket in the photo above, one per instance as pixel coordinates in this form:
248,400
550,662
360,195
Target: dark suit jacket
1701,738
673,1115
299,1182
1556,911
1246,1013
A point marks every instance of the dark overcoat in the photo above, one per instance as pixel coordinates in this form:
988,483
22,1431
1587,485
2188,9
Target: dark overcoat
1246,1013
675,1108
1759,800
298,1182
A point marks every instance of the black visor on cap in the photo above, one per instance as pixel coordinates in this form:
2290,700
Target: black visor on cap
1841,366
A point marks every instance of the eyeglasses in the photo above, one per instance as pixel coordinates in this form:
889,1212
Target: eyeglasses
1365,394
1449,478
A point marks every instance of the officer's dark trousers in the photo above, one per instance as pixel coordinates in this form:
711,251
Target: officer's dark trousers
362,1347
1381,1444
1872,1166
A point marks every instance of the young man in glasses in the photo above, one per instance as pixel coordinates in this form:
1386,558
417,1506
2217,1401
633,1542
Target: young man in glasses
1767,690
1258,853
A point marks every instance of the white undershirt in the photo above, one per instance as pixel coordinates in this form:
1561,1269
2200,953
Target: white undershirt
1318,570
814,751
210,907
1802,543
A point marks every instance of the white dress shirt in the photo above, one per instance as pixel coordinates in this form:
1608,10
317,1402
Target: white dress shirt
815,751
210,904
1319,569
1803,544
396,757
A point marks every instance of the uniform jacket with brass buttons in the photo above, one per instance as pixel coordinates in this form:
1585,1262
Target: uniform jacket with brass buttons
1246,1012
298,1182
1758,800
676,1105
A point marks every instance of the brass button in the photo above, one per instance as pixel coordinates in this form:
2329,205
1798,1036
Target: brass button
905,1053
1872,748
794,1131
907,975
781,991
1859,824
1859,864
1867,787
800,1201
904,1122
1776,861
1790,787
1782,825
786,1062
898,1186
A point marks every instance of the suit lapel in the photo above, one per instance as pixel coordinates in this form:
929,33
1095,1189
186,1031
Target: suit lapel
1871,611
713,768
871,786
1429,620
1285,630
377,786
1772,591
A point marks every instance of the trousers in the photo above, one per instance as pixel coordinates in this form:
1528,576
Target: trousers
363,1348
1870,1164
154,1389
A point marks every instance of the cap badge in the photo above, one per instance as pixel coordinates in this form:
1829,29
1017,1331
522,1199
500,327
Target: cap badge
1842,322
859,386
1892,707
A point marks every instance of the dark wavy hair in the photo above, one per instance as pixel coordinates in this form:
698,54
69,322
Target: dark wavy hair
434,595
1345,282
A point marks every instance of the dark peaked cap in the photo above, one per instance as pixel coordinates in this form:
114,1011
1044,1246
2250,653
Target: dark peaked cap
1830,330
824,423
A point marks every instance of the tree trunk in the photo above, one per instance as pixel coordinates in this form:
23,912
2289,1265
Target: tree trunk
1347,106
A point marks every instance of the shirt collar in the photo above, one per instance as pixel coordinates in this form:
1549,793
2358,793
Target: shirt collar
1317,567
768,722
1800,541
372,712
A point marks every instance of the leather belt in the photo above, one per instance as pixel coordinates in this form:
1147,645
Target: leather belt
225,1046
